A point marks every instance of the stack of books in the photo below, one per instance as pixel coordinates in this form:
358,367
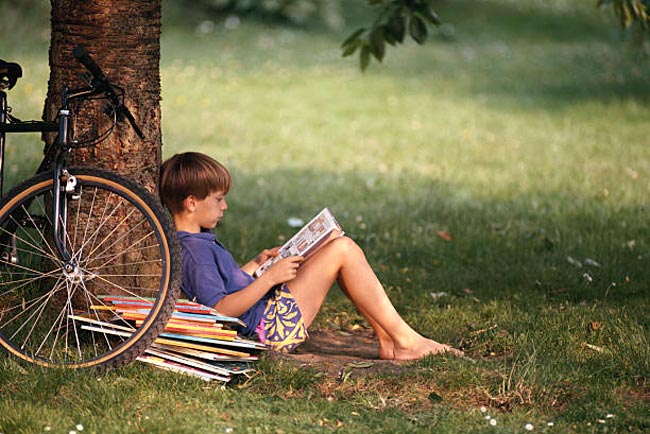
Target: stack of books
196,341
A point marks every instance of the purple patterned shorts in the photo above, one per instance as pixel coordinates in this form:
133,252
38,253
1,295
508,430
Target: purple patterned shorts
282,327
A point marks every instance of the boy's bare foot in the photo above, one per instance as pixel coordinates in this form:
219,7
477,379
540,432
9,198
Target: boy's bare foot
422,348
386,349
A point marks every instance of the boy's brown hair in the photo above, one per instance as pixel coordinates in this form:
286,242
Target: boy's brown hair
191,173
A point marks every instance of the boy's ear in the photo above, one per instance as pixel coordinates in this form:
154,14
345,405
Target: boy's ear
189,203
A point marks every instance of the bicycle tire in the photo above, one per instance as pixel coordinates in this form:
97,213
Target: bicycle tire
122,244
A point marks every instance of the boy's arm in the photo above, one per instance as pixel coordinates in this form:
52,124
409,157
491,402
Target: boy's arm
236,304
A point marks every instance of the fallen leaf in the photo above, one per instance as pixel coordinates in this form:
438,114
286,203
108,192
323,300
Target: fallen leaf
595,325
444,235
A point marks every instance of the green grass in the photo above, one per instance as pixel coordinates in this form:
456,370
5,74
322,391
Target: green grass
525,137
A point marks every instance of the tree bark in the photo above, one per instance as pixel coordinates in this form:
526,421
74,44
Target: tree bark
123,37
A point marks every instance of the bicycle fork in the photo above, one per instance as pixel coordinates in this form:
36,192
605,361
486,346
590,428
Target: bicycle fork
64,187
64,184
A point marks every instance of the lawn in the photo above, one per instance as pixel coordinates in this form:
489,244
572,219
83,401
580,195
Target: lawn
497,178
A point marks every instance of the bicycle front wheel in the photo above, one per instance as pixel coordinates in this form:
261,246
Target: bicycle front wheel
59,313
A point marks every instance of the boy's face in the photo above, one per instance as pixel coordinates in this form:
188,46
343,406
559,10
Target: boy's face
208,212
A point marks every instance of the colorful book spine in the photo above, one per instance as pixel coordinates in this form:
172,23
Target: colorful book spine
196,340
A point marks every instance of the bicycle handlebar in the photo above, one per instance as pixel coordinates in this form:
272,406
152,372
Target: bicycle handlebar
102,85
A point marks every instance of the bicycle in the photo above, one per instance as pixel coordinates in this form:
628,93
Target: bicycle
72,237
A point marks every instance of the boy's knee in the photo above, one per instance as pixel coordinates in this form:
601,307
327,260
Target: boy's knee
346,245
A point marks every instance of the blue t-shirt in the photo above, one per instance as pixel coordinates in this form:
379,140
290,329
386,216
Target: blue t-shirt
210,273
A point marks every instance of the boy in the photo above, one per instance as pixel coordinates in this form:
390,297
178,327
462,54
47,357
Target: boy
279,305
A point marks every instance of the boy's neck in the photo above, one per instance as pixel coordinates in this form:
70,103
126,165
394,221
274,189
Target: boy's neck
184,224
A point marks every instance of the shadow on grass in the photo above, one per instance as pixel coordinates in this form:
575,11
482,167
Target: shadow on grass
539,288
549,243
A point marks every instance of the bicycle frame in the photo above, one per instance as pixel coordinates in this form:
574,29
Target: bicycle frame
118,240
58,161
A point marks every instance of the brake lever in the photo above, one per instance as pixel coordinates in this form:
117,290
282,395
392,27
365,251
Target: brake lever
101,82
115,106
123,112
86,78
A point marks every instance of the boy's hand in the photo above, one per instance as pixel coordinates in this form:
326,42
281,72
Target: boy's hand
255,263
284,270
266,254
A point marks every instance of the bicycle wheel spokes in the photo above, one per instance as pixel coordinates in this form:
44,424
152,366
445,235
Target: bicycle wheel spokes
53,312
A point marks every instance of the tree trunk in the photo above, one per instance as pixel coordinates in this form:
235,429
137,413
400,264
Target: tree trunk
123,37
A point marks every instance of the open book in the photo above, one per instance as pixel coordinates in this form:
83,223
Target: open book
306,241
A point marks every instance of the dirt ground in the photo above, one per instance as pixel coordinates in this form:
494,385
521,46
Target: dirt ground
350,364
332,352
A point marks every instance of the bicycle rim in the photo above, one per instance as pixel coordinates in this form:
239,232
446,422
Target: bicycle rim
122,244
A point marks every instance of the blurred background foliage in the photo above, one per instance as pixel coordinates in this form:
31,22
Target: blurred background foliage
378,24
294,12
390,21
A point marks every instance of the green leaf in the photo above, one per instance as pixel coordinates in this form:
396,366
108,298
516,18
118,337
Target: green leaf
364,57
432,16
351,48
388,38
353,36
429,14
377,45
626,16
418,29
396,27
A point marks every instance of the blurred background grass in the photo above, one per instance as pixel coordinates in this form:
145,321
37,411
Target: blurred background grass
520,130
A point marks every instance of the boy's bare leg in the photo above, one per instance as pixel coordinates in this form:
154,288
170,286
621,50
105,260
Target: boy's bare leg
344,261
385,341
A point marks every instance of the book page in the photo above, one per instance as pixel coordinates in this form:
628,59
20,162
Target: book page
322,228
